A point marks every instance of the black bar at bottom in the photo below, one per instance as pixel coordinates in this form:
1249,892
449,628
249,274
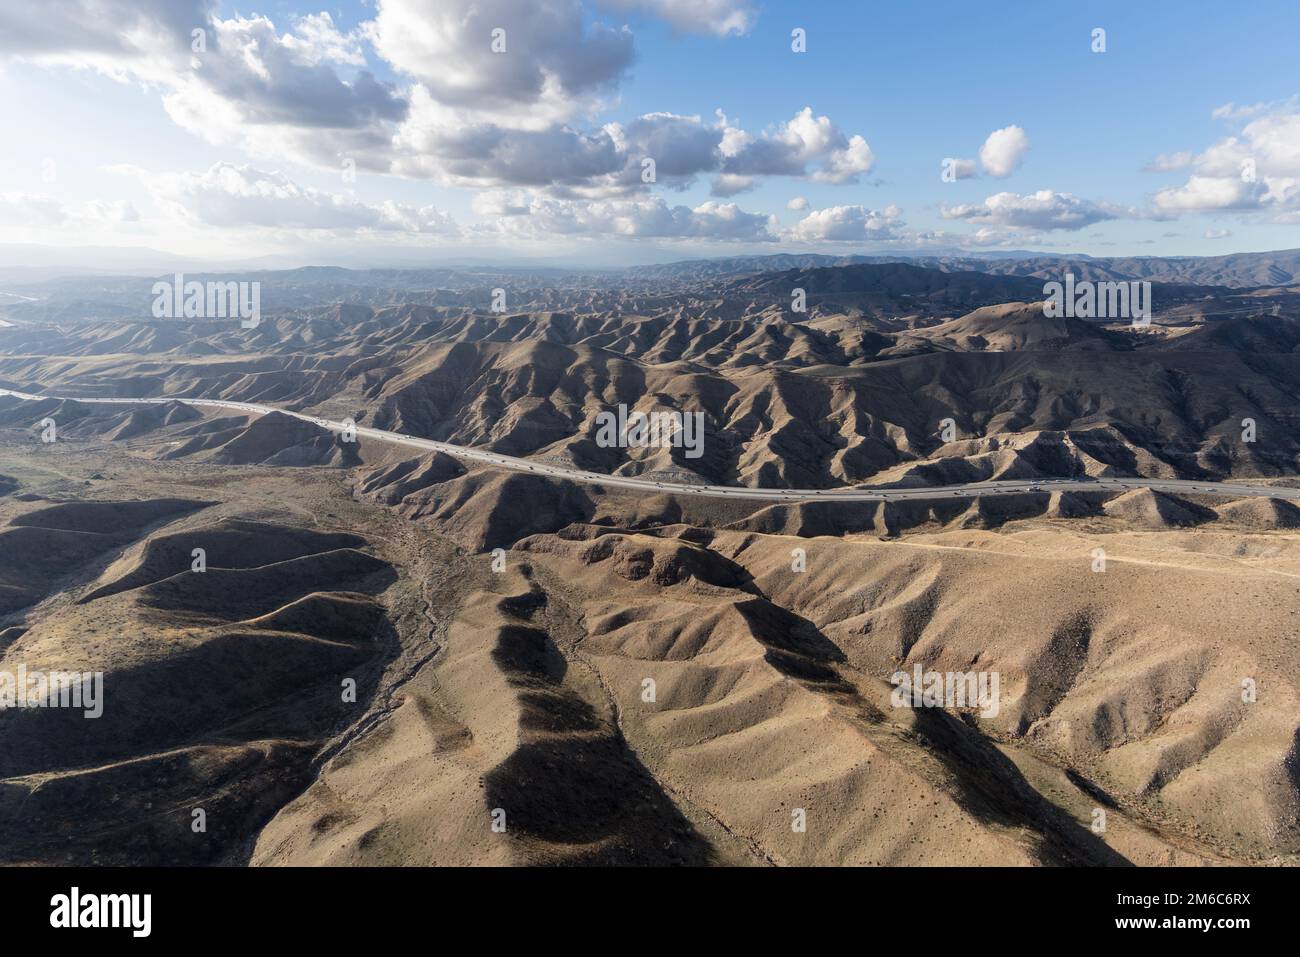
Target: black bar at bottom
337,906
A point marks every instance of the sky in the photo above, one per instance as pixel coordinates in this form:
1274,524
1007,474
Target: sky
628,131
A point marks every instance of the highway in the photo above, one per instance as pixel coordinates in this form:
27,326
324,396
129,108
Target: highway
862,493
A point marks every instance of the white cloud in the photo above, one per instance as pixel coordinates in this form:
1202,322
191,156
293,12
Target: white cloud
640,217
681,146
447,144
847,223
105,212
1231,111
1044,209
961,168
1256,170
987,236
253,86
1003,151
721,18
456,112
1167,162
728,184
1218,233
317,39
805,146
450,145
1208,193
229,196
237,81
35,210
554,63
500,202
31,209
844,165
245,81
145,39
798,203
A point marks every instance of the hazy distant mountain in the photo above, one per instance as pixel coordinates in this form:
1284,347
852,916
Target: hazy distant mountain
31,263
1237,270
892,282
879,289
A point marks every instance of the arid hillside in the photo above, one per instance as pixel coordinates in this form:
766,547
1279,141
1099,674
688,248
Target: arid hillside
313,647
853,390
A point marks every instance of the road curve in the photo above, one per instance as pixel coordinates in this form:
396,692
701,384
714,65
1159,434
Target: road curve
858,494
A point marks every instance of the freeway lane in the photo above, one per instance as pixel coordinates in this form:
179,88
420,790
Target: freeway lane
857,494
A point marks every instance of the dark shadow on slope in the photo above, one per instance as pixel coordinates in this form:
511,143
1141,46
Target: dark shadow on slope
988,785
574,789
981,778
49,548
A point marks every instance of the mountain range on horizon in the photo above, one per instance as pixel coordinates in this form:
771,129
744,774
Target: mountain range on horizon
1275,268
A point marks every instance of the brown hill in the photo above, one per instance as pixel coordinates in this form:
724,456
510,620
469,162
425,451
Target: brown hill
1014,326
218,689
282,440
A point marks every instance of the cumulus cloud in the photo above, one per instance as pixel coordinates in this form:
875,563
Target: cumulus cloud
272,77
446,144
144,39
681,146
554,63
500,202
640,217
1231,111
848,223
805,145
441,143
236,80
843,165
453,111
107,212
262,74
1167,162
230,196
960,168
1003,151
31,209
1045,209
316,39
798,203
1206,193
1256,170
610,162
36,210
254,86
987,236
729,184
720,18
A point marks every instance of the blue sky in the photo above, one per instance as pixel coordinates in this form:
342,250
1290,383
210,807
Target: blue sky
120,134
